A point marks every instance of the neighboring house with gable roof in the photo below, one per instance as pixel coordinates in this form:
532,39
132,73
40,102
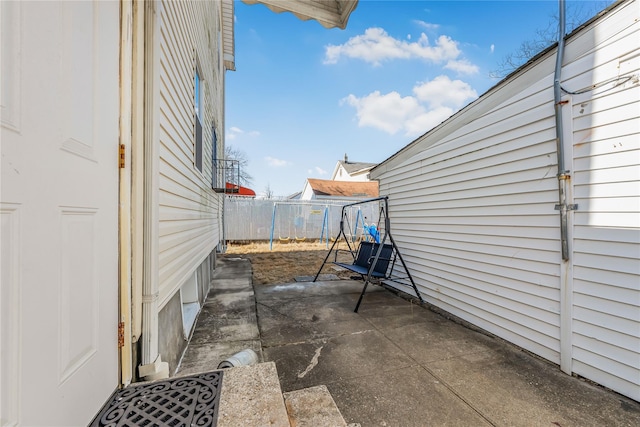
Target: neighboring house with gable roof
351,171
349,181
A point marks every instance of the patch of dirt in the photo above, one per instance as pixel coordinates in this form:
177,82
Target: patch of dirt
288,260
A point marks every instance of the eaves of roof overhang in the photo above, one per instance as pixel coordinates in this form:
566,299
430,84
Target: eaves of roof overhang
228,43
329,13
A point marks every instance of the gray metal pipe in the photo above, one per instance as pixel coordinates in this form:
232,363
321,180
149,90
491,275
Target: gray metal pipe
563,174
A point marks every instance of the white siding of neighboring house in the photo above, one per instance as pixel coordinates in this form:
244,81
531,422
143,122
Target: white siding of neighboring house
472,208
341,174
606,244
474,218
307,192
189,228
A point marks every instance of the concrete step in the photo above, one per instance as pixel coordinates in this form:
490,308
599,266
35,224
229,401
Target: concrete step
313,407
251,396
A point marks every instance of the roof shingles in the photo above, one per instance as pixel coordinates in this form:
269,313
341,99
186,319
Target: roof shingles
324,187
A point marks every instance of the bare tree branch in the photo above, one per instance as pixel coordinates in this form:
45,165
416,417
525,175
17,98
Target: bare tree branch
577,13
268,192
238,175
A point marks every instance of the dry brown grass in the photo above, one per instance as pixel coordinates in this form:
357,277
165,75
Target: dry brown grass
287,260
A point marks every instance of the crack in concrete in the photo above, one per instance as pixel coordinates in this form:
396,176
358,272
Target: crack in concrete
312,364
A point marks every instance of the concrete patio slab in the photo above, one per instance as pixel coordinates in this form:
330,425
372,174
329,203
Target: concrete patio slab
515,389
277,328
418,316
237,284
232,268
415,392
322,278
215,329
335,359
238,304
436,341
394,363
306,289
403,397
315,308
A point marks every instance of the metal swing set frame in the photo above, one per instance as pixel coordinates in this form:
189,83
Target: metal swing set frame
372,260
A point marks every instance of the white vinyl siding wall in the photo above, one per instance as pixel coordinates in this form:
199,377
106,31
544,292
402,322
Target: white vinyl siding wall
474,216
606,244
189,209
472,205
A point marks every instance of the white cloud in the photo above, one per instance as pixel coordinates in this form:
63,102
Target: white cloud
493,48
433,102
375,46
385,112
462,66
233,132
320,171
276,163
427,25
442,91
317,170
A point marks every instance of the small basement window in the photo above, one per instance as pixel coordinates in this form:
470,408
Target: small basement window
190,304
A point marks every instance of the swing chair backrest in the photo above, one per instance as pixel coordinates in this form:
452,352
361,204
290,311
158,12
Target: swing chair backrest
366,254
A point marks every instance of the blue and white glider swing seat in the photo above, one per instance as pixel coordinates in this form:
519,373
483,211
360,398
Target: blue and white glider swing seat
373,260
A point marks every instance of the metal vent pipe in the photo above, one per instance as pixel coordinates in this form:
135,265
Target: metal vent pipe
563,174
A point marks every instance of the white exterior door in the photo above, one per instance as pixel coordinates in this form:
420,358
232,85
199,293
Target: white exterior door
59,204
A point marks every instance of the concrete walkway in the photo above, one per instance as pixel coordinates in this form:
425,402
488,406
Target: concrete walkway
392,364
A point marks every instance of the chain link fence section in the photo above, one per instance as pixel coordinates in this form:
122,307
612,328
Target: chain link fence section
254,220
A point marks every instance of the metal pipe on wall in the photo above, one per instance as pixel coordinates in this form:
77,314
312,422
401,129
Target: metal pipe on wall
564,177
563,174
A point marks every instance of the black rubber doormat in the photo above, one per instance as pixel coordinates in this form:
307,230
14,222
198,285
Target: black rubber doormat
182,401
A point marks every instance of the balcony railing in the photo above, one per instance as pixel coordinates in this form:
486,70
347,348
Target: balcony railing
226,176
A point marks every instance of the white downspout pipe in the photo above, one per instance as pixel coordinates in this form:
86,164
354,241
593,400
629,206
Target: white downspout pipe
151,366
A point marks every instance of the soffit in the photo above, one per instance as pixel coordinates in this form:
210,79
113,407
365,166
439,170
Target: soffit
329,13
228,44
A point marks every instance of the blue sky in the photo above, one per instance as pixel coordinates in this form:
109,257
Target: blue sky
302,95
